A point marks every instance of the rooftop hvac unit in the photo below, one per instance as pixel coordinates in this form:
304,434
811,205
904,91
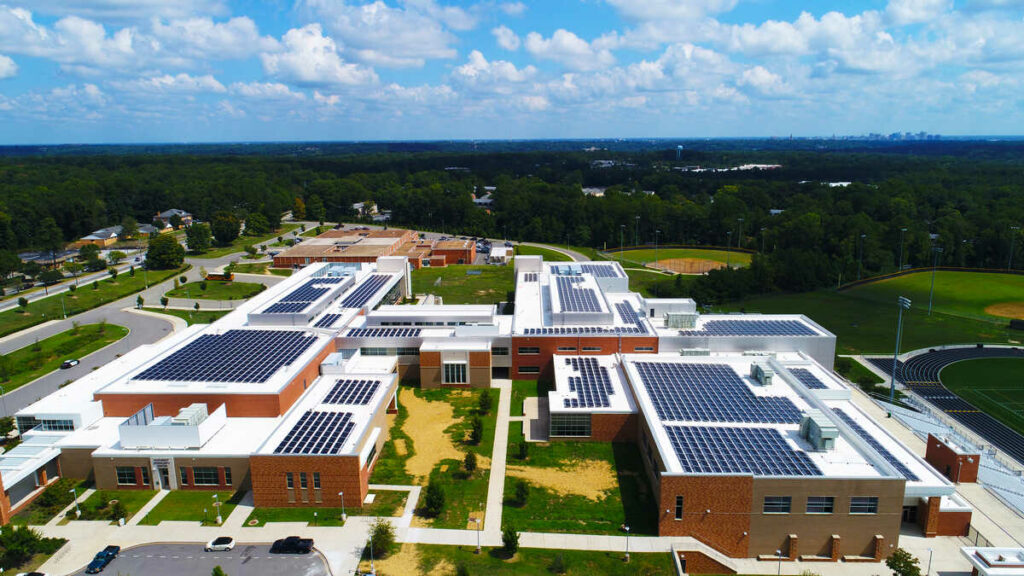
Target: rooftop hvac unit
695,352
190,415
681,321
761,374
766,353
818,430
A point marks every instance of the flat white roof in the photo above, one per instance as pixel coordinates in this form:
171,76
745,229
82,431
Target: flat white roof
238,438
538,311
995,561
573,395
748,326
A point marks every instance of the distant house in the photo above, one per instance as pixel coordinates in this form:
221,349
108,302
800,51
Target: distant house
147,230
103,237
165,217
46,259
594,191
365,208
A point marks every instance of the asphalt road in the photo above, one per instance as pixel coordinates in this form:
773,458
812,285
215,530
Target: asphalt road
191,560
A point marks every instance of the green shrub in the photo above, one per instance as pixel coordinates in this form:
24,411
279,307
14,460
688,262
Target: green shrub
485,402
476,433
469,462
524,450
383,540
433,500
461,570
522,493
510,540
558,564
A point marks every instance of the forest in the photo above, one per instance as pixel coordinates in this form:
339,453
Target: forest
965,198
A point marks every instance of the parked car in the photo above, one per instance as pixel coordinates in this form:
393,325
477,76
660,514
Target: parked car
102,559
292,545
31,574
69,363
220,544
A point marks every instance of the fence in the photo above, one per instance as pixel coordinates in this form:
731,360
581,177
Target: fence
974,538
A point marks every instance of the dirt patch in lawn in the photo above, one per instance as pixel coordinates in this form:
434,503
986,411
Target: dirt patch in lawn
400,447
592,479
479,514
406,562
686,265
425,426
1007,310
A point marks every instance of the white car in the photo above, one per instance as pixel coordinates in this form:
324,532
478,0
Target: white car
220,544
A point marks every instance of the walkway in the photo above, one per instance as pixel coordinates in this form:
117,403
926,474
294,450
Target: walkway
574,255
496,479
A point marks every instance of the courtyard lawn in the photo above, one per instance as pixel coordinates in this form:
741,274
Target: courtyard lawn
99,507
459,284
994,385
422,559
387,503
252,268
964,294
596,487
188,505
84,298
523,389
645,255
191,316
217,290
281,271
548,254
54,499
239,244
44,356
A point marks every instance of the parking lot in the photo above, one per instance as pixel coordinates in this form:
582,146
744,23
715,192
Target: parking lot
191,560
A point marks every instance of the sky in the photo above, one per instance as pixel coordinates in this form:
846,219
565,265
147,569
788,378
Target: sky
124,71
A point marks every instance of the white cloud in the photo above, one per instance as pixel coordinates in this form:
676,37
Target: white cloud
168,84
497,76
230,110
266,91
205,39
7,67
310,58
533,103
451,16
326,100
506,38
71,41
125,9
513,8
763,80
902,12
569,50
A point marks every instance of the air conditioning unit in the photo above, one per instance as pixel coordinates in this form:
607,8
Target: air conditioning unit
761,374
818,430
695,352
190,415
680,321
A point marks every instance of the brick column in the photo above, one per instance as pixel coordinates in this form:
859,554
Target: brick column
794,546
221,480
931,523
835,547
138,476
879,547
42,476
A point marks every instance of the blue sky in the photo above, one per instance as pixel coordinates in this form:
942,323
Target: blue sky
98,71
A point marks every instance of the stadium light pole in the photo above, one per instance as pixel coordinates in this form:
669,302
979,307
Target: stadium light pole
860,254
904,304
636,231
622,231
902,230
935,262
739,231
656,232
728,251
1013,240
763,228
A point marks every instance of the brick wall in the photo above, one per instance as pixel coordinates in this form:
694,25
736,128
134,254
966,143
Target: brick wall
105,470
337,474
953,524
699,563
948,462
604,345
928,516
716,511
239,468
613,427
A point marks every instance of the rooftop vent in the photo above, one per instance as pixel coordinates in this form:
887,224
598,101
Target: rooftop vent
681,321
818,430
695,352
190,415
761,374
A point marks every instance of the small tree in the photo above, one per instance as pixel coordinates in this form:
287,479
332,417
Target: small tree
250,250
903,563
139,301
164,301
469,462
88,252
118,511
524,450
476,434
95,284
23,302
198,237
433,500
131,271
129,228
72,288
510,540
558,564
196,307
217,570
383,537
116,256
184,279
202,285
164,252
485,401
522,493
113,273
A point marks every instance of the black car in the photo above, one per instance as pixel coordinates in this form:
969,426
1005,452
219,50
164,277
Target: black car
102,559
292,545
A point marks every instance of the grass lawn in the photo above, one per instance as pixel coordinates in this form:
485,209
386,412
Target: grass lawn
629,500
652,284
964,294
389,503
868,326
523,389
455,286
419,559
648,255
856,372
98,507
281,271
26,364
548,254
192,317
188,505
83,299
239,244
54,499
217,290
994,385
252,268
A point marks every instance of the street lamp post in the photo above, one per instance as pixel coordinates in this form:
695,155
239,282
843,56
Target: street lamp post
728,250
627,542
3,394
216,506
902,230
344,517
929,571
1013,240
935,262
860,254
477,521
904,304
763,228
372,569
636,232
314,518
779,554
78,511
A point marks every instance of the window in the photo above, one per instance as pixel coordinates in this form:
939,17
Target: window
529,369
529,350
57,425
820,504
570,425
679,507
205,476
455,373
289,480
371,455
126,475
26,423
777,504
502,351
566,348
373,351
227,476
302,480
591,348
183,474
408,351
145,475
643,349
864,505
316,480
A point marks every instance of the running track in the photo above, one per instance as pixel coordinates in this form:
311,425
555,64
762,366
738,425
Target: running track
921,374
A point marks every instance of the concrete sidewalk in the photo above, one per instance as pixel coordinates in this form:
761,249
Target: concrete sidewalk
496,479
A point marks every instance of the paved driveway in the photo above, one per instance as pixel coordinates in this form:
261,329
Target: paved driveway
191,560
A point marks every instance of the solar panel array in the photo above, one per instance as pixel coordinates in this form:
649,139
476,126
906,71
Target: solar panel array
366,290
600,271
287,307
900,466
575,299
593,386
530,277
807,378
751,328
317,432
383,333
235,356
723,450
710,393
327,321
302,297
348,391
579,330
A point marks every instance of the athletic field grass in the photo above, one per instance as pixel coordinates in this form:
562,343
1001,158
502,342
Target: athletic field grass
548,254
44,356
646,255
964,294
653,284
458,284
217,290
994,385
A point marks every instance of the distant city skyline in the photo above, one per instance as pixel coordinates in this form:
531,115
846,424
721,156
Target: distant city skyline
112,71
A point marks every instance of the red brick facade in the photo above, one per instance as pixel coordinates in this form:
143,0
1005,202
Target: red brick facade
956,467
716,511
571,346
336,474
698,563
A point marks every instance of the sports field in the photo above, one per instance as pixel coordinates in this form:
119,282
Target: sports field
966,294
994,385
681,260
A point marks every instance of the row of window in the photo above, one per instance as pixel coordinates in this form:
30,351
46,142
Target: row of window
201,476
389,351
570,425
455,373
289,480
820,504
534,350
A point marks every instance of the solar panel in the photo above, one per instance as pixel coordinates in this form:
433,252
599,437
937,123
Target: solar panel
600,270
710,393
574,298
383,333
349,391
365,291
722,450
807,378
593,386
317,433
301,298
287,307
751,328
235,356
530,277
327,321
900,466
577,330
